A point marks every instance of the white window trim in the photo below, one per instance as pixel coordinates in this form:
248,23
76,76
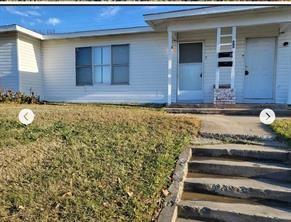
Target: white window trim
101,65
110,65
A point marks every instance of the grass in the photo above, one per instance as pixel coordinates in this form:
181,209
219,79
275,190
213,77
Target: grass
88,162
283,129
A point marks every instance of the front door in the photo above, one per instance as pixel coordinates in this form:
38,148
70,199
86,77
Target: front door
190,72
259,68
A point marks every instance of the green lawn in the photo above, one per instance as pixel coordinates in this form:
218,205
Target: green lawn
87,162
283,129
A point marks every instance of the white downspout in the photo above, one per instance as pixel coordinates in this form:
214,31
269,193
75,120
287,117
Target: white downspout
289,63
170,65
289,70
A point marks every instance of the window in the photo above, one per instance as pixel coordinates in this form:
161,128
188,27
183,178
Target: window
190,52
102,65
83,66
120,64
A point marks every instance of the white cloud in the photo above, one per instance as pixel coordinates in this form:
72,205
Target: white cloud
149,7
33,13
13,10
38,20
110,11
53,21
23,13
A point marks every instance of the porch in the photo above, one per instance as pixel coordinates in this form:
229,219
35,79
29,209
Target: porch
230,60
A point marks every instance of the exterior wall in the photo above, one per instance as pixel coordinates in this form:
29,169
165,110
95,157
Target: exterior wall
283,77
30,64
209,39
147,71
8,62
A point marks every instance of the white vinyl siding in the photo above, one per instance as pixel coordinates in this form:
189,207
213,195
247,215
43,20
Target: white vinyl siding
283,67
8,62
30,65
147,70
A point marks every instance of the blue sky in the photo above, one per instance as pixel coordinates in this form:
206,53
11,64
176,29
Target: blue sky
78,18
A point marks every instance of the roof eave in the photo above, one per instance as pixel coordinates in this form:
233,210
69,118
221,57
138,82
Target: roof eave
154,19
99,33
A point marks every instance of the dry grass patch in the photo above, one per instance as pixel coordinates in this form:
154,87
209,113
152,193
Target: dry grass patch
283,129
87,162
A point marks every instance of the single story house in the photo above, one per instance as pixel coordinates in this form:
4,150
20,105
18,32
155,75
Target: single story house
218,54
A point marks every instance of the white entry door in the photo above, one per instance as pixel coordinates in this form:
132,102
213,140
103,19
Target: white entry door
190,72
259,70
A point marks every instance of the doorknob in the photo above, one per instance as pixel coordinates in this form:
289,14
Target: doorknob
201,75
246,72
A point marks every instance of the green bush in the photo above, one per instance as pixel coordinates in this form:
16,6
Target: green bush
18,97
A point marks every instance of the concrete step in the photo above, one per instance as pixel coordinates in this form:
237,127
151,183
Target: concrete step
240,187
230,212
244,152
227,111
230,167
187,220
224,106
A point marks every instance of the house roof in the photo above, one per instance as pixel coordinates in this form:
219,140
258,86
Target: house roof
152,19
104,32
155,18
17,28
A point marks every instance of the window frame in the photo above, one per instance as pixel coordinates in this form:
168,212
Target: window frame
101,65
83,66
93,65
121,65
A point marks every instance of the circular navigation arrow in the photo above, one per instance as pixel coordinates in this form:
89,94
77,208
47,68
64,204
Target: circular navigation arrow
26,116
267,116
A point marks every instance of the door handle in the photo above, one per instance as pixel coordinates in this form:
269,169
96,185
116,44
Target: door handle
201,75
246,72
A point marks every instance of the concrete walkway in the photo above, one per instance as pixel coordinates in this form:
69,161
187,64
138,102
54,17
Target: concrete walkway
234,125
237,172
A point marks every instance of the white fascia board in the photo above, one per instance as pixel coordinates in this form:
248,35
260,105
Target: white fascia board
16,28
99,33
228,21
212,10
121,31
29,32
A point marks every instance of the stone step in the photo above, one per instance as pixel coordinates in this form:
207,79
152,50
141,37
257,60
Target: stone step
241,188
187,220
230,212
230,167
243,152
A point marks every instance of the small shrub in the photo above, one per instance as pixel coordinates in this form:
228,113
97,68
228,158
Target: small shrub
18,97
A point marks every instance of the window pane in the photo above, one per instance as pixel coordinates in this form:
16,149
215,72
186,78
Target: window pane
120,75
120,54
190,52
106,74
97,55
98,74
84,76
106,58
83,56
